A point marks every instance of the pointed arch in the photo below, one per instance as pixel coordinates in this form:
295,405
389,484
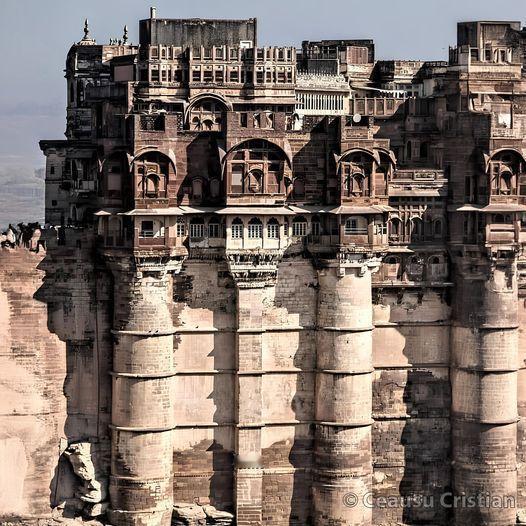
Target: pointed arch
152,171
256,166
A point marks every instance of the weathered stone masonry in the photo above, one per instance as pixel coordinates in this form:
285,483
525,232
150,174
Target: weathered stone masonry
289,279
343,456
484,384
143,393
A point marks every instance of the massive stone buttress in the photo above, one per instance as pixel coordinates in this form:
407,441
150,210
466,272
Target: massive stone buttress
484,389
343,457
251,275
141,483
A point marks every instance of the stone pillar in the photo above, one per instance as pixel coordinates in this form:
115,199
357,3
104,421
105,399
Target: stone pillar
143,407
343,457
484,390
249,473
251,274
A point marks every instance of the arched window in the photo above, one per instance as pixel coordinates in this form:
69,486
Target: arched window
237,228
256,166
436,268
424,150
273,228
498,218
392,269
417,229
408,150
197,228
395,228
299,226
207,114
505,168
80,92
428,228
437,228
356,184
71,93
316,226
74,170
254,182
74,215
356,171
152,171
215,188
151,182
255,228
415,267
197,188
180,227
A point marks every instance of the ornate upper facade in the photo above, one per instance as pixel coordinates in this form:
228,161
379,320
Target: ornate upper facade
213,143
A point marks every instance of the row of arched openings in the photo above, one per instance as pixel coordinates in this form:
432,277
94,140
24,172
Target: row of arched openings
415,229
252,229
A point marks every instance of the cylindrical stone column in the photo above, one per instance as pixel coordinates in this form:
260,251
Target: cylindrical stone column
343,459
484,392
141,482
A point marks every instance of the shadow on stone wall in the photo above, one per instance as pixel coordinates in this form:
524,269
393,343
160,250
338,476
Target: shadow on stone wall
209,461
77,293
32,406
296,295
412,439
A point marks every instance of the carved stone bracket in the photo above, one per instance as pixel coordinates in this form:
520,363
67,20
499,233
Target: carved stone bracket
254,269
158,265
362,262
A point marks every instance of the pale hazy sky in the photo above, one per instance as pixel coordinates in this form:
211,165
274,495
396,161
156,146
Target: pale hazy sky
35,36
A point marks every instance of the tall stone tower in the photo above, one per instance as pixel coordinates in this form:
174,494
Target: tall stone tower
143,393
344,341
484,386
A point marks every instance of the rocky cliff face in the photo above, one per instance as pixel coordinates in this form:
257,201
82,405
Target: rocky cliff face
32,403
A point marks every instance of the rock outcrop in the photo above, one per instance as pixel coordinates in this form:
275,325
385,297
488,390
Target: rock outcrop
199,515
93,490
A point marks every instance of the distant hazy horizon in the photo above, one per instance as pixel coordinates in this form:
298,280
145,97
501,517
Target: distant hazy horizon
36,35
